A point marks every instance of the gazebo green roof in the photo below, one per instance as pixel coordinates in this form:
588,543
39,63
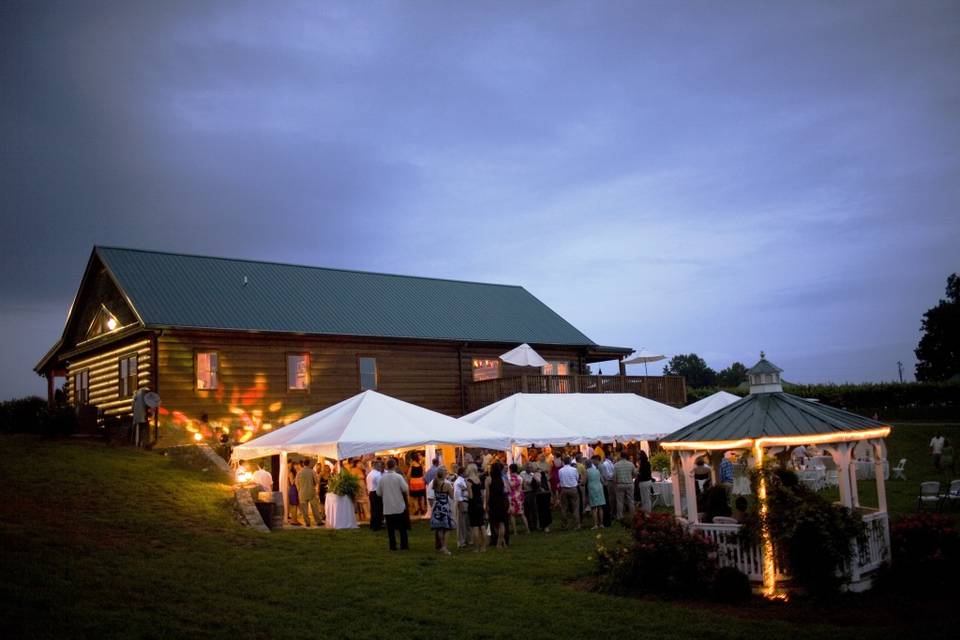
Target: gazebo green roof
772,415
764,366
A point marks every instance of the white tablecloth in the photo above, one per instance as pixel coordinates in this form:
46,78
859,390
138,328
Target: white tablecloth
866,470
340,512
815,479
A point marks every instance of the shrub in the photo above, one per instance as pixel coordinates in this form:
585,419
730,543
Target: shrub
344,483
811,535
925,549
33,415
660,461
664,557
731,585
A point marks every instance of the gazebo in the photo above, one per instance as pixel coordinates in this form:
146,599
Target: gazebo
770,423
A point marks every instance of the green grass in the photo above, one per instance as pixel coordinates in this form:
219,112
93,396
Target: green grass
105,542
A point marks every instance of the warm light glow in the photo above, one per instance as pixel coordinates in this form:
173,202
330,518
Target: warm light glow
707,445
243,475
111,324
198,437
769,570
774,441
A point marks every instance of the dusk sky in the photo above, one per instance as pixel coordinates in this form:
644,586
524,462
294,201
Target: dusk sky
717,178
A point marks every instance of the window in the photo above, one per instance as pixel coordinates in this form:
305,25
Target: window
103,322
368,373
556,368
81,387
298,371
207,369
485,369
128,375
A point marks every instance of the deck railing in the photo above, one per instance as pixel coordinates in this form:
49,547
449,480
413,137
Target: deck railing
869,553
666,389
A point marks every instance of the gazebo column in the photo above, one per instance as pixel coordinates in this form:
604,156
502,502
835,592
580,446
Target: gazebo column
841,457
854,489
879,459
689,485
676,471
284,475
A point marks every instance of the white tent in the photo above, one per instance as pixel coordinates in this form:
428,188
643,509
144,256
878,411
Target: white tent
367,423
540,419
711,403
524,356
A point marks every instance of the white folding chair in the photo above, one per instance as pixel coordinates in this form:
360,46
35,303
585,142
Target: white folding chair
929,494
952,496
898,471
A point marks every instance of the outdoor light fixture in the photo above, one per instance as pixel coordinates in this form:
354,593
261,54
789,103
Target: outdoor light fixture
198,436
111,324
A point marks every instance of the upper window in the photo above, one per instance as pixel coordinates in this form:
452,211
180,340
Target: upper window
81,387
103,322
485,369
128,375
207,369
556,368
368,373
298,371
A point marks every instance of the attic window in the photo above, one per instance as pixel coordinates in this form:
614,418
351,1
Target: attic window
103,322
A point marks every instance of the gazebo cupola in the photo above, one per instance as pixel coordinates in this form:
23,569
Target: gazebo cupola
764,376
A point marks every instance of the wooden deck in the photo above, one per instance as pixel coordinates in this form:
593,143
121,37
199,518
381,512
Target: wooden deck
669,390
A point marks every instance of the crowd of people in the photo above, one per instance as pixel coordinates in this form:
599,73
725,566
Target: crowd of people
481,502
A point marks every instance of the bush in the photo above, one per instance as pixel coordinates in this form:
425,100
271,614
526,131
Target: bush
925,549
811,535
32,415
664,557
731,585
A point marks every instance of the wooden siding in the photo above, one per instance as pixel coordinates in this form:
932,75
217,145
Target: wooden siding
252,379
104,366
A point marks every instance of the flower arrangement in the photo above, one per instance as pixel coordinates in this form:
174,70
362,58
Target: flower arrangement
660,461
344,483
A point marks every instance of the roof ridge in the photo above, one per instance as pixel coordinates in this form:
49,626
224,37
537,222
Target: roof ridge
307,266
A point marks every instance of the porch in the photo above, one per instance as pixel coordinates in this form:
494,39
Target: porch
669,390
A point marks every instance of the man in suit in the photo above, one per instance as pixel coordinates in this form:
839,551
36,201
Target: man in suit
393,490
307,482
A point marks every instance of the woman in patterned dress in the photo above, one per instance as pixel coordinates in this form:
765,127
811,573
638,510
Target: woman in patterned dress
441,519
516,499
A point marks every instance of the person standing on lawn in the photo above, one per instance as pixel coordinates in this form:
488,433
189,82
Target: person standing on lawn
644,481
936,450
307,482
609,490
441,518
623,473
393,490
544,498
376,502
475,507
595,493
569,493
461,497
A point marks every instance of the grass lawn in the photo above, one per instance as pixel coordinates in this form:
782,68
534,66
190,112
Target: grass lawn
101,542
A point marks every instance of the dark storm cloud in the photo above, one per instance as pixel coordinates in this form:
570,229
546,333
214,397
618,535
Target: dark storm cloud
784,175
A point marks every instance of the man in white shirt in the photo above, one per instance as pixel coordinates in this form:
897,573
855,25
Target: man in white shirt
609,487
394,491
569,492
376,502
936,449
461,496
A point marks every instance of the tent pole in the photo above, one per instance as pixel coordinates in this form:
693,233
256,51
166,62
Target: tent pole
283,485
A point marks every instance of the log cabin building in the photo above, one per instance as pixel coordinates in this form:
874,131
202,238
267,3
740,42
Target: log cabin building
245,346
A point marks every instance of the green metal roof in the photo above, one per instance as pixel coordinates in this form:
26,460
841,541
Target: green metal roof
775,414
175,290
764,366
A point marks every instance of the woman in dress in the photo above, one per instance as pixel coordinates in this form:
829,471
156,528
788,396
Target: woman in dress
418,488
595,492
475,507
497,497
293,497
555,479
544,498
527,486
516,499
441,518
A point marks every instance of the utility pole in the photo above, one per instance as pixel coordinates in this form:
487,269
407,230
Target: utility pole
900,370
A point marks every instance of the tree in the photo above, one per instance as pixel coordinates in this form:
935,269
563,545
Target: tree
938,354
693,368
733,375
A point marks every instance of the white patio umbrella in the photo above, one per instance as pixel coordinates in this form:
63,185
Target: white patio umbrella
643,356
524,356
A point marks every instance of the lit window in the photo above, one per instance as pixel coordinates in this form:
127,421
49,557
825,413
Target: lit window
81,387
128,375
207,369
485,369
298,371
556,368
368,373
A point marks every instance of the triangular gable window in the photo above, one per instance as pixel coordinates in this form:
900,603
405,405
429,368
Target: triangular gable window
103,322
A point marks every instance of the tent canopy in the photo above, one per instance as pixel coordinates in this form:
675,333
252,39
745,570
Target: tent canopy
541,419
367,423
711,403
